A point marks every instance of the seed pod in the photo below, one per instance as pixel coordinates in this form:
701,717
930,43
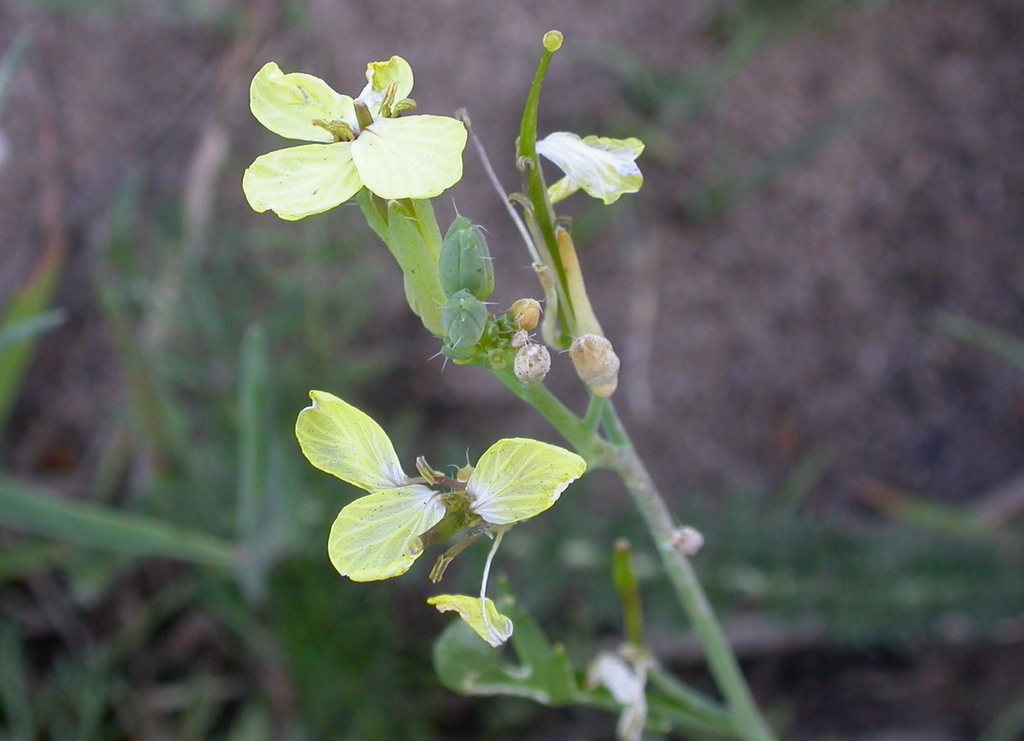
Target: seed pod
465,262
464,320
532,363
596,363
526,313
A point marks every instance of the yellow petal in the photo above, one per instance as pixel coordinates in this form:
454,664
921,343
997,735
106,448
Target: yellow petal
341,440
288,104
301,181
378,536
518,478
411,157
380,74
495,628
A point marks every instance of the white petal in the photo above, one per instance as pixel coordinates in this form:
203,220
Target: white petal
604,168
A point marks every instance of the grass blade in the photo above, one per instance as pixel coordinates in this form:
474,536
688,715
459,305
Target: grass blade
44,513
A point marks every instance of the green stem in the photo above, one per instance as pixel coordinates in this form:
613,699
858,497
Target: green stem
726,670
586,441
622,458
542,218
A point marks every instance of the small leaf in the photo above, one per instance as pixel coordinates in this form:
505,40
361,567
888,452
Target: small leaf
467,665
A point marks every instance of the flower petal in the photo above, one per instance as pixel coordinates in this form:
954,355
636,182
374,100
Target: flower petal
341,440
288,104
379,75
301,181
518,478
412,157
378,536
604,168
495,628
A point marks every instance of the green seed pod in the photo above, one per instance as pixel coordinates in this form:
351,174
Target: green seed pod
465,262
464,320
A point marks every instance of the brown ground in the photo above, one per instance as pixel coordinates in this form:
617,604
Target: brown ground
800,320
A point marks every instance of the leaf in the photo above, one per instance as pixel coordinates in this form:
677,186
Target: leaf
518,478
287,104
41,512
26,329
467,665
340,440
414,157
301,181
378,536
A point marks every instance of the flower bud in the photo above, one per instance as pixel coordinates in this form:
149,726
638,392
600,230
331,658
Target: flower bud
464,320
532,363
596,363
526,313
465,262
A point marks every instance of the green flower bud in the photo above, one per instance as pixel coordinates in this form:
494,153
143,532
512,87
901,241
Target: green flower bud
532,363
596,363
464,320
465,262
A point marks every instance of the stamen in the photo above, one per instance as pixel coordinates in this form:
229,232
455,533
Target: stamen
487,573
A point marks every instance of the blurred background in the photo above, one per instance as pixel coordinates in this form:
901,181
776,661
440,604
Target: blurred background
818,297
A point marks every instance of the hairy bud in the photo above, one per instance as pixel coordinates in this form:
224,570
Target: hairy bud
532,363
464,320
596,363
526,313
465,262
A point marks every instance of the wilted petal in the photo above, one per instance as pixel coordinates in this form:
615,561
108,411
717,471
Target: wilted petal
518,478
378,536
604,168
288,104
495,628
413,157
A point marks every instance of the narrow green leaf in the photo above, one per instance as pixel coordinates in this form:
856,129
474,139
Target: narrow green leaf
26,329
20,562
42,512
10,63
253,462
17,708
1005,345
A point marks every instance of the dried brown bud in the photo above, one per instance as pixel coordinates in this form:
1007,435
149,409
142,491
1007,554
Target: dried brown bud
596,363
526,312
532,363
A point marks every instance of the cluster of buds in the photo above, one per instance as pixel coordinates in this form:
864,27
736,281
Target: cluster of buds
533,361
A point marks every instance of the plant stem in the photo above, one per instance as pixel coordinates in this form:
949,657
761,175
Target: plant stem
743,710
